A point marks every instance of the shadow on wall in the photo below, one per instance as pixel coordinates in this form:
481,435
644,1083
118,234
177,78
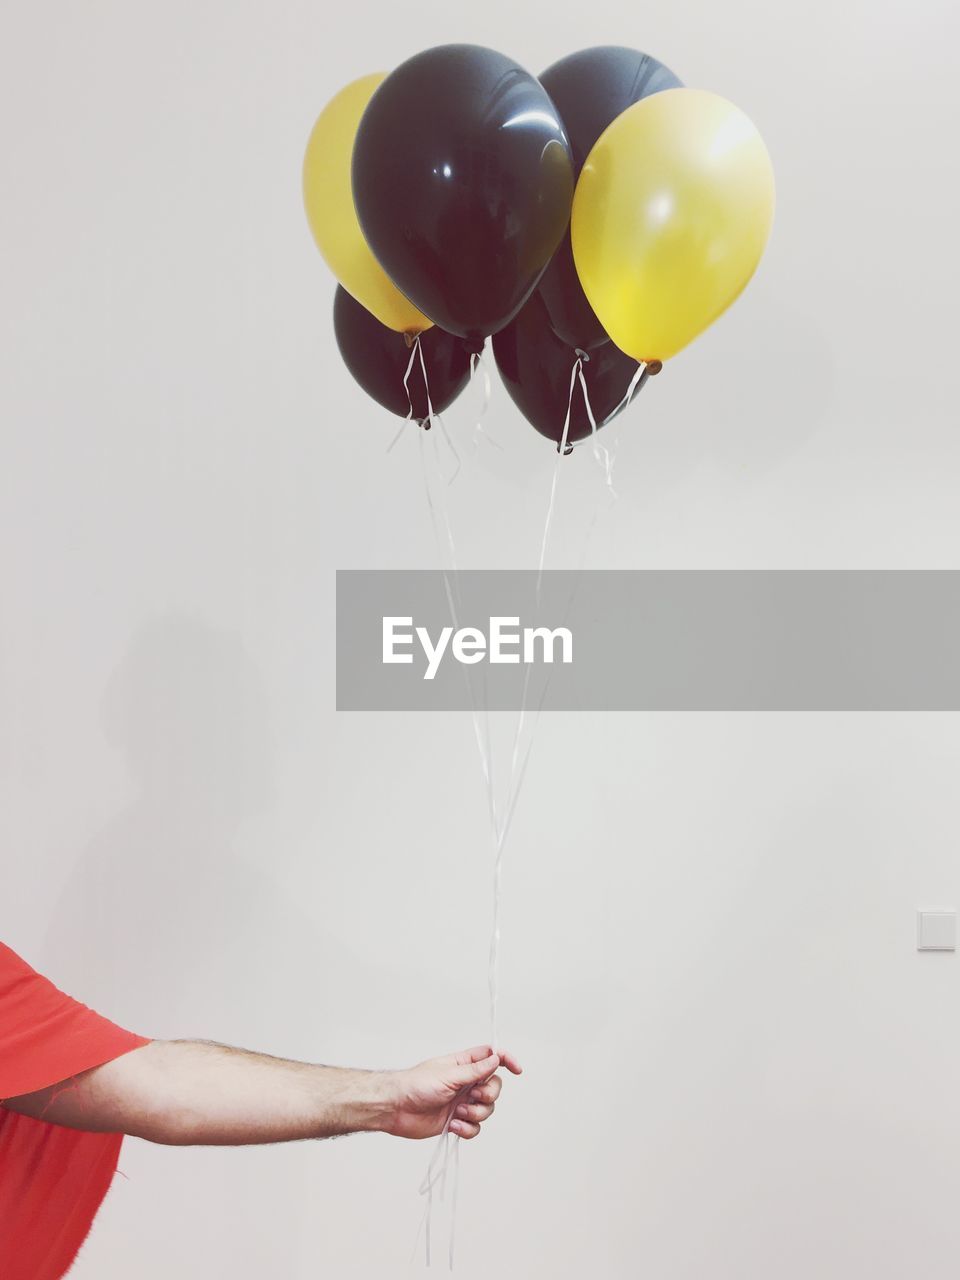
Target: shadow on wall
164,923
161,914
165,926
187,708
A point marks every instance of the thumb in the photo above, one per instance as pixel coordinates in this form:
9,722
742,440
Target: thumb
474,1072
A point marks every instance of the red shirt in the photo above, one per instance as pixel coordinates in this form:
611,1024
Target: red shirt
52,1179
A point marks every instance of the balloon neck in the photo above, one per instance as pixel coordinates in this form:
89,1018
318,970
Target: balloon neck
409,338
474,344
653,367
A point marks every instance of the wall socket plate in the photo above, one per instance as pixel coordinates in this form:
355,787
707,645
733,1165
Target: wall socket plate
937,930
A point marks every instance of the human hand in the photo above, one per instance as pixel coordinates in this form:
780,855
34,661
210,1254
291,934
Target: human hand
420,1099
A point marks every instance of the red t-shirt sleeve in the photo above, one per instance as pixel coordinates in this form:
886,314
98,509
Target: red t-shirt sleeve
45,1036
52,1179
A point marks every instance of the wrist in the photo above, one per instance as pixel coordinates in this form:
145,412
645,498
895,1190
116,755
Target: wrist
369,1102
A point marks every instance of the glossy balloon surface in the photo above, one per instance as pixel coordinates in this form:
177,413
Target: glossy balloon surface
378,358
328,200
590,89
536,367
670,219
463,181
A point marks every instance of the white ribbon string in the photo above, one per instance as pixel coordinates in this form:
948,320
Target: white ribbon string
604,456
418,351
636,382
453,1202
516,781
433,416
608,458
561,450
447,1146
408,416
478,367
517,768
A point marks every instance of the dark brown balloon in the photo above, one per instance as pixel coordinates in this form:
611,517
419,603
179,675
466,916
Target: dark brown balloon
590,89
463,182
536,367
378,358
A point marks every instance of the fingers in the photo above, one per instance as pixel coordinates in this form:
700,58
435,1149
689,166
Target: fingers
478,1104
464,1128
481,1061
476,1054
509,1061
475,1112
487,1092
475,1071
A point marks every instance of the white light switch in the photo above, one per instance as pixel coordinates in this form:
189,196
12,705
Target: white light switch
936,931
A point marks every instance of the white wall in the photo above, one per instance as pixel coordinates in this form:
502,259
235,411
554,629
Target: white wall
738,1066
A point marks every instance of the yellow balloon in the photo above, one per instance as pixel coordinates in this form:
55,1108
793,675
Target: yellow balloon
670,218
328,197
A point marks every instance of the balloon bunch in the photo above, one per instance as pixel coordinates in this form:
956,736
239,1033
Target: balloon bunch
592,222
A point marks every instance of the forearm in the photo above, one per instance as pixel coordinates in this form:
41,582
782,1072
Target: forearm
189,1092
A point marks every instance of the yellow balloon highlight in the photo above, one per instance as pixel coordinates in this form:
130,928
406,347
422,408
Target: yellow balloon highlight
671,215
328,198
